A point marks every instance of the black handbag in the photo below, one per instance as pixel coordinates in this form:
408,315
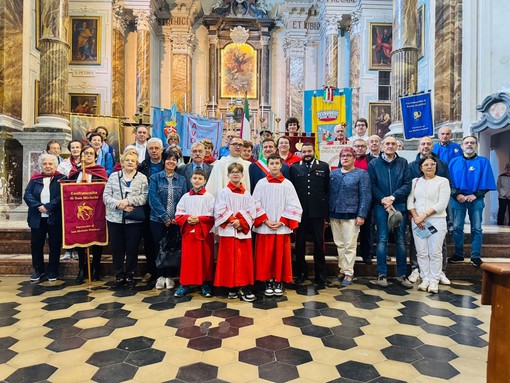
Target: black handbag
169,254
138,213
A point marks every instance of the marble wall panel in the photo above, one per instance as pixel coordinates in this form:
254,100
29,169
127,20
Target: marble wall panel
143,70
331,60
118,73
354,73
11,57
54,19
53,94
296,86
181,87
404,72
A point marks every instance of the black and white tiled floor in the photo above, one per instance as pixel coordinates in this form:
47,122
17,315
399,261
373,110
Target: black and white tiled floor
61,332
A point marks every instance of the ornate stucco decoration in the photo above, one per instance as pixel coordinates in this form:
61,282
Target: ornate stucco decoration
495,111
239,35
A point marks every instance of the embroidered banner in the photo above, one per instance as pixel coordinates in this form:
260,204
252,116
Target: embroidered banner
196,128
166,121
83,215
417,116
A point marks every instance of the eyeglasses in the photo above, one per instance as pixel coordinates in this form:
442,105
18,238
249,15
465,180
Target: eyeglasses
360,146
88,154
429,165
235,173
238,144
346,156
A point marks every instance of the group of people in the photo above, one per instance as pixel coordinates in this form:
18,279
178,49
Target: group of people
269,197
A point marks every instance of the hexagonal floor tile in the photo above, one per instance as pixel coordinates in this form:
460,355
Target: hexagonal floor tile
272,342
278,372
357,371
197,373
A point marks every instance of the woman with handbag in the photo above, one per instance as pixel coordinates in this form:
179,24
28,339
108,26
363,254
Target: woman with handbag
125,196
165,190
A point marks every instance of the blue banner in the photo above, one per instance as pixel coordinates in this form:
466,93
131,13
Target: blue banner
166,121
417,116
196,128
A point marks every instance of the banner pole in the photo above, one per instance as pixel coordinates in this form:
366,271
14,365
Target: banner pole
88,266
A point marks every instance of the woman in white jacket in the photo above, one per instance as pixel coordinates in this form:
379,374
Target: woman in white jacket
124,190
427,204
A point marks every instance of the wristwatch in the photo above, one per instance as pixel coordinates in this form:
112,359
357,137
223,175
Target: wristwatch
392,198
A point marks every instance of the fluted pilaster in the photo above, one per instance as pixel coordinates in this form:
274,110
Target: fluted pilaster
143,18
354,65
264,70
118,60
213,68
331,51
295,53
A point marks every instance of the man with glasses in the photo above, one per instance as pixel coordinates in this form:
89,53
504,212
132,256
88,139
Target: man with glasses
360,130
425,149
225,150
219,174
259,169
446,149
472,178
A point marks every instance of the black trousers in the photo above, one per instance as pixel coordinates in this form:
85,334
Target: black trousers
316,227
97,252
365,238
504,205
125,239
148,247
38,239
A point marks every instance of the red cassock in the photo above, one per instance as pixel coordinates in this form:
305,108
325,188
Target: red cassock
276,200
197,260
234,267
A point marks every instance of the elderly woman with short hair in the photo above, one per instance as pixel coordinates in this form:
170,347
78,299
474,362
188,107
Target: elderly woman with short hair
125,190
42,197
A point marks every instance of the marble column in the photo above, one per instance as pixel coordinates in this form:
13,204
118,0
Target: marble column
354,64
264,72
118,60
143,18
53,92
294,49
213,72
448,64
331,51
404,58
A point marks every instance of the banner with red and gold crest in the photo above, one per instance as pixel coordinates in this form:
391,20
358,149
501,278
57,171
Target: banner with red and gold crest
83,215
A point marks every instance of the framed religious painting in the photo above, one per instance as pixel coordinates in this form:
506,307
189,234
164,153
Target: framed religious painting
84,103
85,37
380,46
420,31
238,71
379,118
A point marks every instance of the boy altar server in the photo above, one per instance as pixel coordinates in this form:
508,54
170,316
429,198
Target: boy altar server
234,212
278,213
195,215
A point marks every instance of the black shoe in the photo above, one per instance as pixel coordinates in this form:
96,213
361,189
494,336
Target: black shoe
80,277
476,262
246,295
36,277
322,282
120,281
301,279
454,260
368,261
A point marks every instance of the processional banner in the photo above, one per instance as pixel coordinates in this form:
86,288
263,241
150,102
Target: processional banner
83,215
166,121
325,108
417,116
196,128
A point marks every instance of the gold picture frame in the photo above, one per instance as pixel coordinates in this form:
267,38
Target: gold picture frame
379,118
420,31
380,42
239,68
85,37
84,103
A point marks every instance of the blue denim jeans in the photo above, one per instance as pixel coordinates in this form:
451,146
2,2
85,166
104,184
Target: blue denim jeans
474,210
381,220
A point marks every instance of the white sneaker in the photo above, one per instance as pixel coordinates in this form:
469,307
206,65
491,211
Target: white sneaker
413,277
170,284
66,256
433,288
160,283
444,280
423,285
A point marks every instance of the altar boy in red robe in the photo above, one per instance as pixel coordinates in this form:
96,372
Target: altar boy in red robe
234,212
278,213
195,215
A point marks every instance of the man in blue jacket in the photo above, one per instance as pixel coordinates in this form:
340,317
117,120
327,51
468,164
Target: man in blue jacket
391,184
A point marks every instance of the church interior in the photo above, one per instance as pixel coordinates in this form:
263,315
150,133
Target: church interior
67,65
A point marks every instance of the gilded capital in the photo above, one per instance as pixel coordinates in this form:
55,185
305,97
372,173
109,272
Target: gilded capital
183,43
143,19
